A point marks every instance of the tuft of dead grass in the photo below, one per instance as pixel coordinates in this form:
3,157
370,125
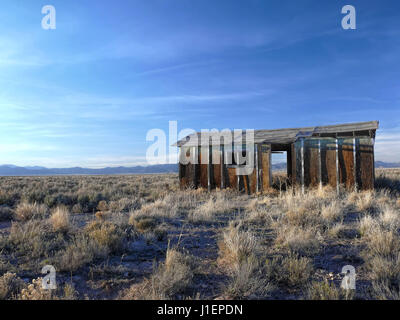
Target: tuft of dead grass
363,201
249,281
107,234
25,211
301,240
325,290
292,270
79,252
382,243
60,220
168,279
236,245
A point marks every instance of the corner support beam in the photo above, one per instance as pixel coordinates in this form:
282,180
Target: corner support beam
209,166
337,167
355,163
257,168
302,165
222,166
319,164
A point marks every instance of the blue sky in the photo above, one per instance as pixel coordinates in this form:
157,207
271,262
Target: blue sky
88,92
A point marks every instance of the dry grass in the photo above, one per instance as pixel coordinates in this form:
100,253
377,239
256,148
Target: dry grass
249,281
78,253
25,211
60,220
382,243
236,246
332,212
325,291
383,269
170,278
363,201
207,211
232,245
298,239
10,286
106,234
291,271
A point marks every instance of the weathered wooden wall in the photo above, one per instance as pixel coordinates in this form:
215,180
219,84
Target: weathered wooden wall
365,163
325,160
191,175
188,173
311,162
335,162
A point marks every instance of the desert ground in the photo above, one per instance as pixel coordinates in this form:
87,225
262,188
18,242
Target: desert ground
140,237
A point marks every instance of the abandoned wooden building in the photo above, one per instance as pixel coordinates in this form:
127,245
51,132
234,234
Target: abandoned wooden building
336,155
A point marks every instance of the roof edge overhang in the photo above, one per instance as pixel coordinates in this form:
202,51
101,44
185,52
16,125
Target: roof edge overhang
279,136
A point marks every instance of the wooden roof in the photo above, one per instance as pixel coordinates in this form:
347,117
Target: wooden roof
284,136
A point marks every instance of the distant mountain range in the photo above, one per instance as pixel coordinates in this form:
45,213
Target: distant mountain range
12,170
381,164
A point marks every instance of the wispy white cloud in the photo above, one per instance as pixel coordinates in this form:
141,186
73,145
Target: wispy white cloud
387,147
23,147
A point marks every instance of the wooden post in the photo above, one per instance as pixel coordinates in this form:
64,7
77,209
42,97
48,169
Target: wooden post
180,165
238,176
194,167
355,163
270,165
289,163
222,166
209,167
257,168
319,164
337,167
302,165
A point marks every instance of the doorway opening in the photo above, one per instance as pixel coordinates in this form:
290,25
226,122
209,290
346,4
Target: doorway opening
280,178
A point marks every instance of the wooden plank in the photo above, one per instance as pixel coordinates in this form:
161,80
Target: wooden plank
232,178
257,167
302,163
311,163
346,162
337,165
365,154
266,166
293,154
328,161
289,163
248,185
355,143
319,164
203,168
251,182
216,165
298,162
223,183
194,166
209,168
